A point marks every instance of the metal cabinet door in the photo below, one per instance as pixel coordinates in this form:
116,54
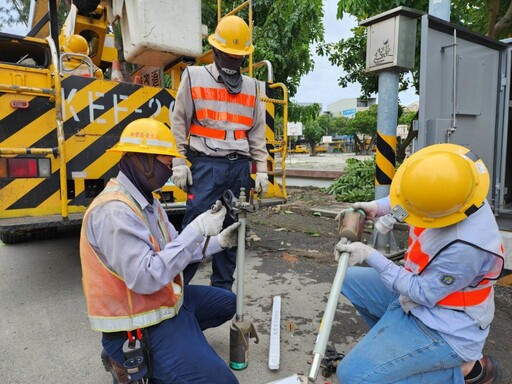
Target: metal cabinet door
462,92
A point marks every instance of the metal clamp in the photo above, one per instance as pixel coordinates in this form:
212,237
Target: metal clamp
237,206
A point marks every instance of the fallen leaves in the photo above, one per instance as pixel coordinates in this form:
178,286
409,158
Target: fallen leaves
289,257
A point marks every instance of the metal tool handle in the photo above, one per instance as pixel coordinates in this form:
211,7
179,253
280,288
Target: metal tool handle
240,267
330,310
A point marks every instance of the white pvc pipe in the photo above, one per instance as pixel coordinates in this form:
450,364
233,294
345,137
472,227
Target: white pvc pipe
330,310
275,332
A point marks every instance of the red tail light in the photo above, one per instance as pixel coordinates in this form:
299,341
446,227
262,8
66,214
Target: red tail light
22,167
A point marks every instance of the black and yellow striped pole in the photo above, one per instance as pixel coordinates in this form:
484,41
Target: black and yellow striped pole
387,118
385,159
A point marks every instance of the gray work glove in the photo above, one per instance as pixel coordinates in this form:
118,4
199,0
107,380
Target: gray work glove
228,238
210,222
358,252
261,183
371,209
181,176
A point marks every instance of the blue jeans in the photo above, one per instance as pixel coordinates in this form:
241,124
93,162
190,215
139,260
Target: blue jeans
398,348
212,176
179,350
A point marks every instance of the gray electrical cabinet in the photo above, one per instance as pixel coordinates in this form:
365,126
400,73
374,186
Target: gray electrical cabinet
465,96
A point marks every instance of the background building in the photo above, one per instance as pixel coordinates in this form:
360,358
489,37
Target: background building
349,107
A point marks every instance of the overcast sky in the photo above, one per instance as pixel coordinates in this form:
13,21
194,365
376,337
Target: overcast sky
321,85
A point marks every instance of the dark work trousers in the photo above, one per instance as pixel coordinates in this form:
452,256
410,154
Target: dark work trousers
179,351
211,177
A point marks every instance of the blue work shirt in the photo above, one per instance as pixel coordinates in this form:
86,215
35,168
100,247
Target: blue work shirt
466,265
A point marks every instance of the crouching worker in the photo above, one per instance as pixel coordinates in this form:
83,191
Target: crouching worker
132,262
429,319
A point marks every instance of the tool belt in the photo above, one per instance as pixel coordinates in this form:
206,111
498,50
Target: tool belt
136,350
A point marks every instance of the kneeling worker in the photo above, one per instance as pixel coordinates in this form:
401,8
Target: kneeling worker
132,263
429,319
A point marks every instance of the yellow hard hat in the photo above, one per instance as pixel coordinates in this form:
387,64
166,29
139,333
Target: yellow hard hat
232,36
438,186
76,44
147,136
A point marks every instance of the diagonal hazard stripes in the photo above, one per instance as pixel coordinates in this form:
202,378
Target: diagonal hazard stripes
385,159
95,113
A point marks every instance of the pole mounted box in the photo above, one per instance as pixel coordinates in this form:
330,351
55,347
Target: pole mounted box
391,39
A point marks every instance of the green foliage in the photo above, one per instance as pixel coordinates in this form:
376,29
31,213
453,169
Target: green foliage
357,182
407,118
364,122
299,113
313,133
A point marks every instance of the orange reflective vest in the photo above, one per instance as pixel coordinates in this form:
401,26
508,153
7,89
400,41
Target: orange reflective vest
219,114
479,230
111,305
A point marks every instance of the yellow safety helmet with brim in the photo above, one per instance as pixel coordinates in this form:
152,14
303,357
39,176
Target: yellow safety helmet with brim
232,36
438,186
147,136
76,44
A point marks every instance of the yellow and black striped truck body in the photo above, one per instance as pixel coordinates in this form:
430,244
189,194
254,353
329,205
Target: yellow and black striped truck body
54,133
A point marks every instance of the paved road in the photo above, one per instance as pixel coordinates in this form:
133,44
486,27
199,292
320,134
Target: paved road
46,338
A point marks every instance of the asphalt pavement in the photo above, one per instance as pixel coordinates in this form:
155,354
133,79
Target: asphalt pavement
46,337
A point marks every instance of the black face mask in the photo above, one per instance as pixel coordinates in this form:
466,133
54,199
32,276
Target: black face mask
229,69
145,172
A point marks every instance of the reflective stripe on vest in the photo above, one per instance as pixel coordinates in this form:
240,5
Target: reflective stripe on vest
217,112
416,261
111,305
212,133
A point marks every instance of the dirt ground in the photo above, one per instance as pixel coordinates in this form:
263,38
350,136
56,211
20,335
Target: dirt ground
294,230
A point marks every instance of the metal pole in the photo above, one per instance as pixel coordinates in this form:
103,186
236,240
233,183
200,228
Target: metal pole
240,266
387,114
385,158
330,310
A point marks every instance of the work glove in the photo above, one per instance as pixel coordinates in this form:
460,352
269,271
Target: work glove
228,238
181,176
210,222
261,183
358,252
371,209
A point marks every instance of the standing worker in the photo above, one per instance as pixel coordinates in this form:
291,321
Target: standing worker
429,319
132,262
218,122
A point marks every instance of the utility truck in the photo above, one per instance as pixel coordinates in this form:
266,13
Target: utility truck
55,126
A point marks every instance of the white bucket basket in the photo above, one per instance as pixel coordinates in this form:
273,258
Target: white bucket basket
157,32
